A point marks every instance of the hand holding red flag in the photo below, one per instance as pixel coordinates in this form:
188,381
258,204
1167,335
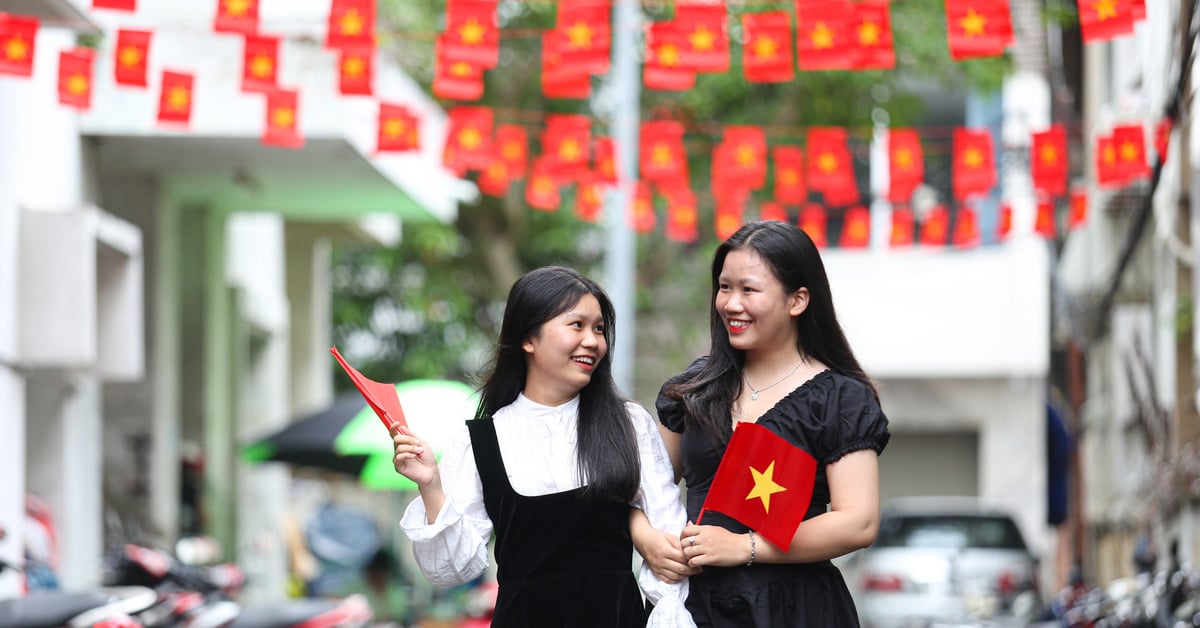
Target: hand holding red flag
381,397
764,482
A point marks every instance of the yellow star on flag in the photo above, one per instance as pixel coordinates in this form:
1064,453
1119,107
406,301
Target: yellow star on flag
827,162
685,215
569,151
352,23
821,36
580,35
1105,9
745,156
668,55
789,177
353,67
973,24
1048,154
16,49
543,186
727,223
470,138
1109,155
1129,151
471,32
661,155
178,98
460,69
858,231
902,157
129,56
973,158
765,485
702,39
261,66
237,7
393,127
868,33
765,47
283,118
77,84
511,151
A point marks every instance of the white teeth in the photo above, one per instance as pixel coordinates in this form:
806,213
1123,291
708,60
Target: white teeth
738,324
585,360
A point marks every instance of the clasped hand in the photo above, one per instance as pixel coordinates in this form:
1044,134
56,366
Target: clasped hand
713,545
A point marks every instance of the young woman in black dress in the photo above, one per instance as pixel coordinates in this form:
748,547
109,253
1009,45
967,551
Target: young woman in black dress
778,358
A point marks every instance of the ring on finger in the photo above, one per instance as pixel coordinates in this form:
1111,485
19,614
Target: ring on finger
692,540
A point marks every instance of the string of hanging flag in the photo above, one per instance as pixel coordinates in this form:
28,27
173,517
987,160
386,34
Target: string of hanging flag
827,35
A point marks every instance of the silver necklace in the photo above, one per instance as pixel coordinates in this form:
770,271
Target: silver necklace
754,391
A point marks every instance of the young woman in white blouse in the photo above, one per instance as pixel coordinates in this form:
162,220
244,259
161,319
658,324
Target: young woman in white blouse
553,462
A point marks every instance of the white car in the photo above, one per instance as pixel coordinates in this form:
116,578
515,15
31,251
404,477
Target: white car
944,561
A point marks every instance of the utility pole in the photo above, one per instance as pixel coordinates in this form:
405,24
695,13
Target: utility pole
620,256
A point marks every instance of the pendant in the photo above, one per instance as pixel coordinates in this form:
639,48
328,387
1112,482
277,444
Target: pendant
754,396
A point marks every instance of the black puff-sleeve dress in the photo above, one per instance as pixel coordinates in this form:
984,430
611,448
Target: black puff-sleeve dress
828,416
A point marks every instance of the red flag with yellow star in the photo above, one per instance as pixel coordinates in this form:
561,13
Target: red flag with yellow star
813,221
606,160
566,143
351,23
283,119
175,98
589,197
772,210
705,38
455,80
661,156
825,35
399,129
728,215
830,169
978,28
1130,141
856,228
586,28
683,221
764,482
906,160
936,227
663,69
1108,169
512,146
541,190
1049,158
902,227
966,228
1078,208
640,213
495,179
260,63
17,37
133,52
236,16
1004,223
741,157
356,71
871,37
75,77
767,53
558,79
974,169
1103,20
470,137
1044,222
472,33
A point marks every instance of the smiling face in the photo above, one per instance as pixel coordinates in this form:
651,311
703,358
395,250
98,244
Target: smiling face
758,314
564,353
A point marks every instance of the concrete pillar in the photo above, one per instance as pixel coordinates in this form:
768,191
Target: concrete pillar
308,292
217,395
164,370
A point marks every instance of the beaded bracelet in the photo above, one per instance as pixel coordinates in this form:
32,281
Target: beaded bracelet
753,548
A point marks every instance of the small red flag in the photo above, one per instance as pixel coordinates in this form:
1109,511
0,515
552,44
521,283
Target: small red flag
512,146
75,77
813,221
978,28
902,227
740,160
966,228
589,197
472,33
541,190
1103,20
1044,223
283,119
907,164
132,62
606,160
974,170
351,23
1130,142
586,28
789,174
381,397
399,129
260,63
825,35
470,135
1004,224
705,36
856,228
683,221
728,216
455,80
872,36
830,169
1049,158
236,16
764,482
175,98
936,227
641,209
116,5
767,53
566,143
772,210
661,152
356,71
559,80
495,179
663,69
1108,169
18,35
1079,208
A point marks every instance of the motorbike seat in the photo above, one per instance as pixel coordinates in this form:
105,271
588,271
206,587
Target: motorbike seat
48,609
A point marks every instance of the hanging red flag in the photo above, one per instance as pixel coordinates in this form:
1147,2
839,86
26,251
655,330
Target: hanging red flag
663,69
132,62
236,16
789,174
356,71
1004,224
906,161
872,36
936,227
764,482
728,216
1049,159
978,28
813,221
826,35
1108,172
565,144
399,129
541,191
116,5
351,23
903,224
966,228
1104,20
455,80
472,33
380,396
1043,225
586,27
589,197
772,210
559,81
974,170
75,77
705,44
830,169
661,151
175,98
495,179
742,155
683,220
260,63
641,209
1130,142
283,119
1078,208
606,160
18,35
470,134
512,146
767,53
856,228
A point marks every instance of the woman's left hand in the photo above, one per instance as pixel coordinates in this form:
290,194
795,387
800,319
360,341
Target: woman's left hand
714,545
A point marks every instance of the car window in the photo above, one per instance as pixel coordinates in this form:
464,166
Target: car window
949,532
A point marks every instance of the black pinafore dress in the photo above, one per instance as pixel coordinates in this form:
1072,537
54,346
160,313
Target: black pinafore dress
561,560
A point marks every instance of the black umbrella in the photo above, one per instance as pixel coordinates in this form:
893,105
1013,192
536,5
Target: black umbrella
308,442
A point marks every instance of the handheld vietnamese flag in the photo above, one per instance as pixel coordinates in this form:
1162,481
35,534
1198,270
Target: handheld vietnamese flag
381,397
133,51
236,16
17,37
75,77
764,482
175,99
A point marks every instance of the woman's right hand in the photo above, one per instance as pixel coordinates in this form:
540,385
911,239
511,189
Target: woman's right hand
664,555
413,459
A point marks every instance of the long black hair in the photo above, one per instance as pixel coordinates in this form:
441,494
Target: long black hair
708,394
607,446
